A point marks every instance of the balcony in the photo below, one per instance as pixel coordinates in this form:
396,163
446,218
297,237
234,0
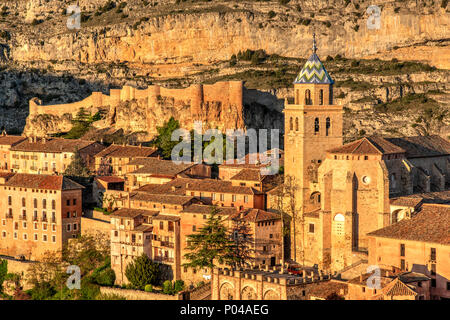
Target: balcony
8,216
44,219
163,259
167,244
35,218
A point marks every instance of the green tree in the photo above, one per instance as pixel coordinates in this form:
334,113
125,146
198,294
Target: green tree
3,272
142,271
77,167
211,244
163,141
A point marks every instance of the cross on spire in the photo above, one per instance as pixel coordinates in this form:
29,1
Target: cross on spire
314,43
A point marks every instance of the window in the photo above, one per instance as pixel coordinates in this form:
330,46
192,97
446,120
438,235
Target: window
44,237
68,227
338,225
213,196
402,264
433,254
35,237
74,214
233,198
245,199
53,204
321,97
116,233
222,197
448,285
53,238
402,250
308,97
44,203
25,236
35,203
161,225
9,200
75,227
433,283
311,228
316,126
4,234
296,124
68,202
74,202
24,203
327,126
194,228
291,124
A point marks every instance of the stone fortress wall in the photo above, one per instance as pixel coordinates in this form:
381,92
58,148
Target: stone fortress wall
228,94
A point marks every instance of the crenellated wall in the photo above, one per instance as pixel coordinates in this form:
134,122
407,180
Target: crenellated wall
220,104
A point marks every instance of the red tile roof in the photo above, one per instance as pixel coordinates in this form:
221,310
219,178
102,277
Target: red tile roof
52,145
430,224
422,146
369,145
405,201
10,140
160,198
254,215
249,175
159,167
118,151
110,179
206,209
132,213
40,181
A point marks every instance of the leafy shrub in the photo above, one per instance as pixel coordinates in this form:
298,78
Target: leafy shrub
148,288
168,287
178,285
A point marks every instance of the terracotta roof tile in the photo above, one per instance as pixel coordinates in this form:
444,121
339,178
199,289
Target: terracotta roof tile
369,145
118,151
249,175
133,213
156,166
110,179
160,198
254,215
40,181
398,288
10,140
430,224
422,146
52,145
206,209
405,201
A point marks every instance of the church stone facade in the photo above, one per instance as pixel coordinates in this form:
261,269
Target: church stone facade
342,192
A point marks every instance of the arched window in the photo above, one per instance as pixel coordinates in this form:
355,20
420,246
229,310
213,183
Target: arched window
24,203
9,200
291,124
35,203
327,126
393,181
308,96
321,97
44,203
339,224
316,126
296,124
53,204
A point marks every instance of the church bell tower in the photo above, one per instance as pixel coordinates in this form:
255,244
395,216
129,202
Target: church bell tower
312,124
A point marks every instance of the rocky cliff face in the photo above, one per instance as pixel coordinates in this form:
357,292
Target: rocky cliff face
176,44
